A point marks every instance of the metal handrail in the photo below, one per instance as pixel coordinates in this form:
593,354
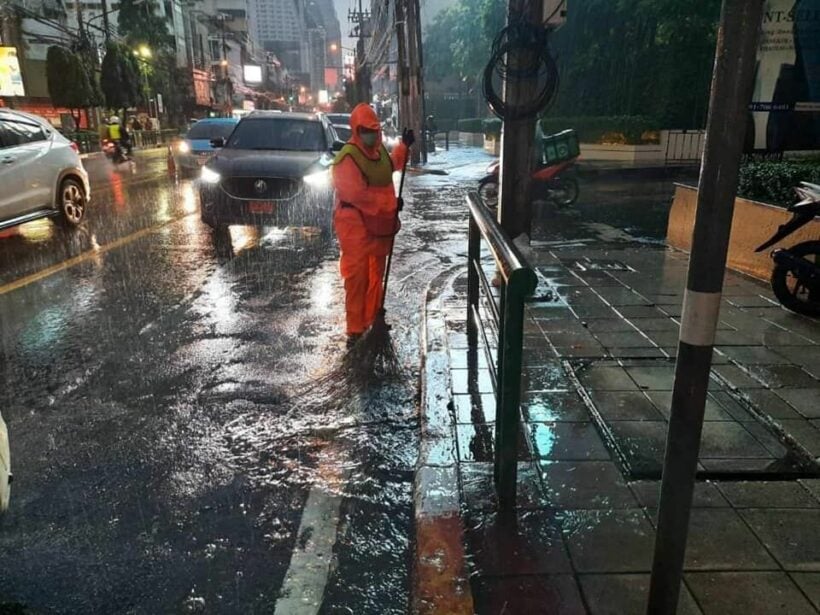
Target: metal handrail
518,282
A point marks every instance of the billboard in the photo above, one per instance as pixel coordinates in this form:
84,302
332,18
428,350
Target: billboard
11,79
252,73
785,105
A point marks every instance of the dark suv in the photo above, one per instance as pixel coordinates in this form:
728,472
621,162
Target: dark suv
274,169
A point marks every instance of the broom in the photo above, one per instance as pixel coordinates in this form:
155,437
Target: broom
372,358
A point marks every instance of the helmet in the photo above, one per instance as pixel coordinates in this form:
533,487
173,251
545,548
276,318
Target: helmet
114,120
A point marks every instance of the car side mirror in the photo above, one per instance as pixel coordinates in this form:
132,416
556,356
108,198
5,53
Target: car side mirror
218,143
337,146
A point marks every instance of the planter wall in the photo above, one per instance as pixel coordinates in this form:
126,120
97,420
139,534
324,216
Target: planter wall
492,146
752,224
472,139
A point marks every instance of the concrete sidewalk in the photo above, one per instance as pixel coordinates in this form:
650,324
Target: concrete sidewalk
599,361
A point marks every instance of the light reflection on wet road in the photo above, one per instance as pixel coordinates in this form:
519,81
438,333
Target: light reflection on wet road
149,369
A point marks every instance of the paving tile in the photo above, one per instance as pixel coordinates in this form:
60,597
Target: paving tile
585,351
729,440
770,404
531,543
813,485
572,339
790,535
476,442
587,312
767,494
648,352
733,407
805,401
719,540
754,355
640,311
663,338
801,355
474,409
604,377
609,325
706,495
737,338
478,487
585,484
663,402
642,443
656,324
736,377
549,377
459,358
742,593
621,594
548,407
461,381
768,439
672,309
537,356
653,377
784,376
624,339
567,441
809,582
624,406
806,434
534,595
773,337
608,540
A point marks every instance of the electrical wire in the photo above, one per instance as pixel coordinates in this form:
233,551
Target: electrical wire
529,44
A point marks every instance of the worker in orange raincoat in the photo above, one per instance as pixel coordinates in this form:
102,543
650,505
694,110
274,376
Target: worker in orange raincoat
365,215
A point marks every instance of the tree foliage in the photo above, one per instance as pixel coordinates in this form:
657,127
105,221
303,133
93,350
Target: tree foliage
616,57
69,81
119,78
139,23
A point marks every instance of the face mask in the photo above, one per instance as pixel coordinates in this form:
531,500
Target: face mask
369,138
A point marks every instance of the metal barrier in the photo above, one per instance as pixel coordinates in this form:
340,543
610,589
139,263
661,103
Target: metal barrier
446,134
518,282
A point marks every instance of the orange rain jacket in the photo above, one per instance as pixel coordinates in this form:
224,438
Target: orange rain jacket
363,255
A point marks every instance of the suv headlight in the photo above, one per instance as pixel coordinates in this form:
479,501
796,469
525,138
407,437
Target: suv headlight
320,179
183,147
209,176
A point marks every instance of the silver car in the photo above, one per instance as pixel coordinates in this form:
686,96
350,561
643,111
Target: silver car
41,174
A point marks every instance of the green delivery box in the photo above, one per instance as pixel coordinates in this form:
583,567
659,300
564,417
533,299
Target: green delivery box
561,146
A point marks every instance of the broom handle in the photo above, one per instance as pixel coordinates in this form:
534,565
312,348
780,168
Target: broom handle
393,238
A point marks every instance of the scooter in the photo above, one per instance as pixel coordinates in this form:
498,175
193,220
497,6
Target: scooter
796,274
550,181
114,152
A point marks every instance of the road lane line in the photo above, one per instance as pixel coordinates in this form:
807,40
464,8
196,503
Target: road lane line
303,589
85,256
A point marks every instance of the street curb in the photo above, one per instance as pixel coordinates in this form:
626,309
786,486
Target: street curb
441,585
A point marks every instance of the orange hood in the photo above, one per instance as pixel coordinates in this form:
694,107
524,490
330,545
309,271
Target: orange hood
365,116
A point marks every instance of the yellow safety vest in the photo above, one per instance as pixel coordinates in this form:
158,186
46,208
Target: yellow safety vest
114,132
376,172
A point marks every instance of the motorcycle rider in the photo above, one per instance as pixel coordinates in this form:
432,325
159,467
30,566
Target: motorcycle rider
119,135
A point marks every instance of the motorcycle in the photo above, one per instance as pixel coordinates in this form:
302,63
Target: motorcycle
114,152
550,181
796,274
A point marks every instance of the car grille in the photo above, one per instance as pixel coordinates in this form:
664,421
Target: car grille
275,188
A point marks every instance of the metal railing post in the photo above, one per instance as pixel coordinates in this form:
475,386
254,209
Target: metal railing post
473,259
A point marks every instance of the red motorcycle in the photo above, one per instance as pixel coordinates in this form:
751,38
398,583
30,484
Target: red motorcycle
551,182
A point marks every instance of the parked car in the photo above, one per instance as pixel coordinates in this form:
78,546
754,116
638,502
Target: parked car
5,467
274,169
343,131
41,174
187,155
339,119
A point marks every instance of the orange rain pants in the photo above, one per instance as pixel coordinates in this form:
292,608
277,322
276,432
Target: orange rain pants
363,257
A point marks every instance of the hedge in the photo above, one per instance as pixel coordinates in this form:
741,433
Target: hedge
774,182
470,125
628,129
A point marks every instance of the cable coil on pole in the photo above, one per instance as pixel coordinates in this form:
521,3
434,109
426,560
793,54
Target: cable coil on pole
528,42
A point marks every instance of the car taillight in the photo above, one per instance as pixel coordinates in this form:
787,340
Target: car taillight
75,147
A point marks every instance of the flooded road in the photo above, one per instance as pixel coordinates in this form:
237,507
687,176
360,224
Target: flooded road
164,460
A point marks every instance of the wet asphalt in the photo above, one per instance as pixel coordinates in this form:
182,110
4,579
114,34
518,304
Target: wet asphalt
154,380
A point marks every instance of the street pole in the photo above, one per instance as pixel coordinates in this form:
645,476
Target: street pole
518,137
106,26
422,101
732,82
415,119
402,74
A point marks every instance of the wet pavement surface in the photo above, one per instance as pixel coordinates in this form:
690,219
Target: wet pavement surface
164,460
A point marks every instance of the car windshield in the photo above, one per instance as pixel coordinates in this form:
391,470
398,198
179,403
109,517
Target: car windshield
210,130
278,134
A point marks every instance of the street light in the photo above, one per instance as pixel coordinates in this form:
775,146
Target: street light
143,51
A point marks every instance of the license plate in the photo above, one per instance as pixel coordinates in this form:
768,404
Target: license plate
260,207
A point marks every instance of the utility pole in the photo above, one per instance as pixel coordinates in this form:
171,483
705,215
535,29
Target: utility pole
402,72
732,83
422,101
362,75
106,26
415,118
518,136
